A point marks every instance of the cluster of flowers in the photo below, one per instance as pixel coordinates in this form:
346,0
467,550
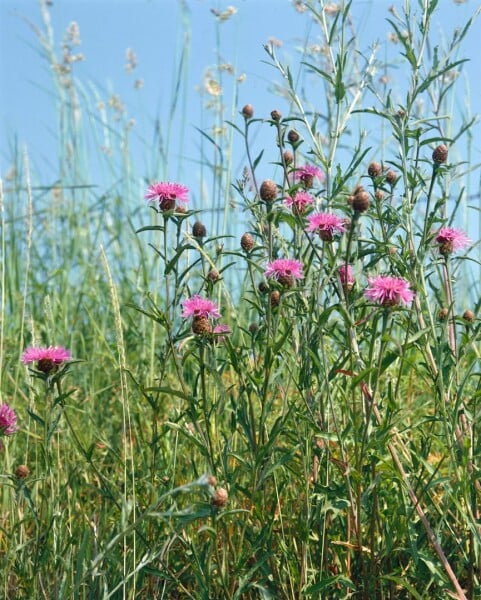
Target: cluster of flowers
384,290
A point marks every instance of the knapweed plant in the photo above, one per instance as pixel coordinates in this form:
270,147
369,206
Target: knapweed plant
292,408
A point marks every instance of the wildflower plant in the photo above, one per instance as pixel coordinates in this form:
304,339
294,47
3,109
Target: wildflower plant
296,413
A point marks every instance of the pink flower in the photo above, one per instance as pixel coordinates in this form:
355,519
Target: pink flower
307,173
285,270
196,306
450,240
299,202
346,276
220,331
389,291
326,225
167,194
8,420
47,359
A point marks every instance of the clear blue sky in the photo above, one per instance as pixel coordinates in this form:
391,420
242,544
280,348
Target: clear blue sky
154,30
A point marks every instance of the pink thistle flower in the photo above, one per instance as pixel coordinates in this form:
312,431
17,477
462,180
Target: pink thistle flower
8,420
307,173
299,202
47,359
196,306
389,291
450,240
220,331
167,194
285,270
346,276
326,225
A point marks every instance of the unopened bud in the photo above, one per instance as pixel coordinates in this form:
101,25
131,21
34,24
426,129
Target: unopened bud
248,111
374,170
391,177
199,230
220,498
293,136
440,154
268,190
276,115
468,316
22,472
247,242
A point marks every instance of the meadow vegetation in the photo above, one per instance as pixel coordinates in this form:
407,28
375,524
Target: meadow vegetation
274,396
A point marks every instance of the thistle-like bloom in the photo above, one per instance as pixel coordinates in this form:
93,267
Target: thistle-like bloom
47,359
167,194
346,276
8,420
450,240
285,270
196,306
326,225
299,202
389,291
307,173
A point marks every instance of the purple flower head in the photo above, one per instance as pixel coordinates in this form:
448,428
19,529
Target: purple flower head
167,194
285,270
307,173
346,276
326,225
299,202
47,359
8,420
389,291
220,331
196,306
450,240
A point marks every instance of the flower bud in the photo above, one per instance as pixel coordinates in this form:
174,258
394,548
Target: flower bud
469,316
360,200
293,136
220,498
213,276
374,170
443,314
199,230
248,111
391,177
440,154
22,472
288,157
276,115
247,242
268,190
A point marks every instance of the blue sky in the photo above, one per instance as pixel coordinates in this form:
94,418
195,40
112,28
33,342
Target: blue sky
156,30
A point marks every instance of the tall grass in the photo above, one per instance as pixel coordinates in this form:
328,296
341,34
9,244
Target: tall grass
326,445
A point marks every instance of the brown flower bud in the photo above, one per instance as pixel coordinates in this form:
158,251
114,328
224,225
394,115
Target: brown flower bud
268,190
220,498
379,195
213,276
201,326
22,472
199,230
247,242
276,115
248,111
263,287
443,314
440,154
374,170
288,157
360,201
275,298
253,328
211,480
293,136
286,280
391,177
469,316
